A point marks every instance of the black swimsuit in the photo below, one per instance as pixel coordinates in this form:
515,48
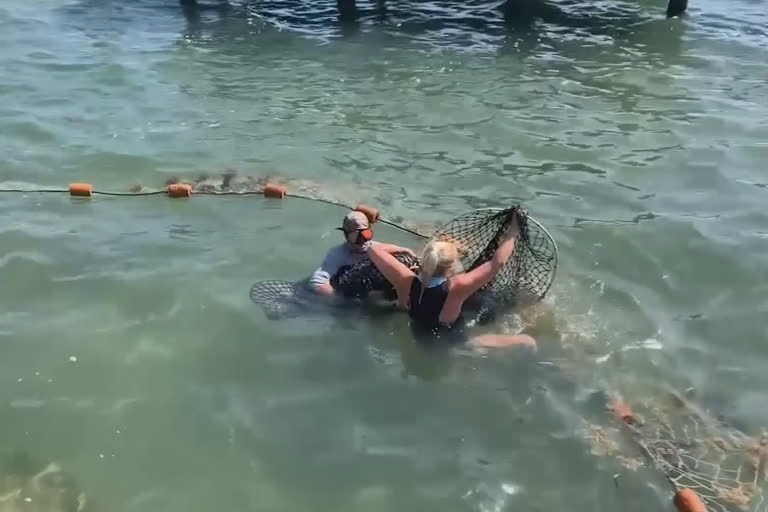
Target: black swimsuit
425,314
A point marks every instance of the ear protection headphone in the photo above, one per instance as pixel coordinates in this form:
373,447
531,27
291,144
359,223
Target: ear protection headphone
363,235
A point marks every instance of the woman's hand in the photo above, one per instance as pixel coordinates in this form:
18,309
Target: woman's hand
518,218
513,231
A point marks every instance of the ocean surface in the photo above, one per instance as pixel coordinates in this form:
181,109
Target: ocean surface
132,356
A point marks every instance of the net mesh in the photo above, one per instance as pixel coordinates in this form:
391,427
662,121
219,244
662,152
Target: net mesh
279,299
284,299
725,467
363,278
531,269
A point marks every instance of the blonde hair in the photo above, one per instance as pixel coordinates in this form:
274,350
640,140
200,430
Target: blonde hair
438,259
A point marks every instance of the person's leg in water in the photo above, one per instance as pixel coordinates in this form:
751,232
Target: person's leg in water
487,314
460,336
503,340
535,319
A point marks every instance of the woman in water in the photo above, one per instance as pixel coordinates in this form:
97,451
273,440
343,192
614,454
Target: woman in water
434,298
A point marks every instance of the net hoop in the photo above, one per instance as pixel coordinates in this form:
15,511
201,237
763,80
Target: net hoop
544,241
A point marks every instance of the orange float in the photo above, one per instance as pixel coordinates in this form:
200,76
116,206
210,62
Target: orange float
687,500
622,410
179,190
275,191
81,189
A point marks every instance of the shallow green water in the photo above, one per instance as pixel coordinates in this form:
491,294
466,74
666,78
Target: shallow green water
642,149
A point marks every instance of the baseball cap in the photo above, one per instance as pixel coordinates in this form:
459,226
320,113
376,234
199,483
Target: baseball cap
355,221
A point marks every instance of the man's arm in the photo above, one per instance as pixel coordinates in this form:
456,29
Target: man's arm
320,281
324,289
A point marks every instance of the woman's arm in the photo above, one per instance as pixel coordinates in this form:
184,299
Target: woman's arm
392,248
468,283
396,273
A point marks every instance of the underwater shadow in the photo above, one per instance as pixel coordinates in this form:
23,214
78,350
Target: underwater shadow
239,30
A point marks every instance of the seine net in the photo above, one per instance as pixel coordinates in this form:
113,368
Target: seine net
723,466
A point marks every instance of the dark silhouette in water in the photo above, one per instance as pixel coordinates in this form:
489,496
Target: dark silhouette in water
347,10
519,26
521,13
516,12
676,7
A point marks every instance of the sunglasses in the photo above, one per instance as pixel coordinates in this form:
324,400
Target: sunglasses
363,235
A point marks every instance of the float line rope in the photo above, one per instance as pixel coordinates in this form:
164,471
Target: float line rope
181,190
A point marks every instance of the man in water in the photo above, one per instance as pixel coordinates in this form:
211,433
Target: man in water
358,237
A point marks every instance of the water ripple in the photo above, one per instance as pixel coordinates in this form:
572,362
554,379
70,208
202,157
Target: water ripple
637,140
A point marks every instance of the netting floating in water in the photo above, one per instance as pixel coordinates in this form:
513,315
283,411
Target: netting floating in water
725,468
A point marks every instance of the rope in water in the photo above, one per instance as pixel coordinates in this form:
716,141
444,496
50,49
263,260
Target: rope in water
184,190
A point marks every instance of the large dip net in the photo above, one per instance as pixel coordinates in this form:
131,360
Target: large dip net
282,299
528,274
710,465
477,234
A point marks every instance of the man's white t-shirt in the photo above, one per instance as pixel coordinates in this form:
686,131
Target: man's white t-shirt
340,256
